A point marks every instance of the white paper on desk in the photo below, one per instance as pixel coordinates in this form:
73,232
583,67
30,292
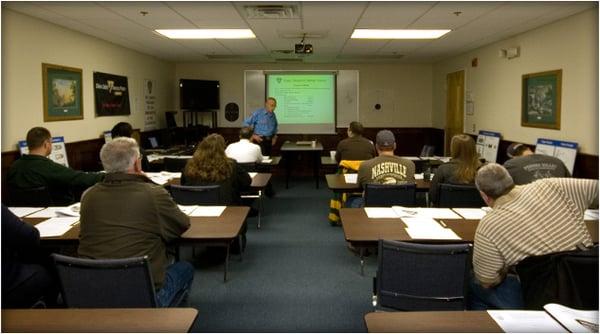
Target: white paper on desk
590,215
266,160
351,178
252,174
525,321
208,211
419,176
71,210
471,213
162,177
438,213
187,209
421,223
23,211
404,212
576,321
49,212
153,157
427,232
57,226
412,158
374,212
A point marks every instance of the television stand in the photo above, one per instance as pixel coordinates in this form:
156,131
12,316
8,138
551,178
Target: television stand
193,117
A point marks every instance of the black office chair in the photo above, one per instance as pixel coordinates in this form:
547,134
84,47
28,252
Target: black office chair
34,197
195,195
388,195
567,278
422,277
175,165
112,283
459,196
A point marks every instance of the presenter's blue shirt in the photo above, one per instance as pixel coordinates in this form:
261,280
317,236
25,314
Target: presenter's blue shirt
263,122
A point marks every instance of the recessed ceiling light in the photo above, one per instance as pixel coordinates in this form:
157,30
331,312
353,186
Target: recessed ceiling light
399,33
206,33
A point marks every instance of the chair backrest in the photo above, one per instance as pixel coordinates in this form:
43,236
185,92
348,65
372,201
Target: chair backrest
388,195
427,151
248,166
568,278
112,283
459,196
195,195
422,277
174,164
34,197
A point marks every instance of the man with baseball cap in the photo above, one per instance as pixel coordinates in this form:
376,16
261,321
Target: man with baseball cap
525,166
385,168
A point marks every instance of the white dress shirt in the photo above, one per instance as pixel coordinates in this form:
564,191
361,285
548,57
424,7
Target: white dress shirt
244,151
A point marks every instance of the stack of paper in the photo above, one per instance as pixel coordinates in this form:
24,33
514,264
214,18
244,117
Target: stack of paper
252,174
266,160
162,177
23,211
71,210
351,178
49,212
208,211
591,215
525,321
428,228
404,212
373,212
153,157
576,321
57,226
468,213
437,213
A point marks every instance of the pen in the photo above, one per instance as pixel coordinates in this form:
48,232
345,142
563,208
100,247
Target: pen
443,224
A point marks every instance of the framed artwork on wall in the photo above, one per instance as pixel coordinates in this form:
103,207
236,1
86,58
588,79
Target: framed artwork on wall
541,99
62,90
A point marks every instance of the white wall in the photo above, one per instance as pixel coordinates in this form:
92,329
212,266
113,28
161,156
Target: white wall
403,90
28,42
570,44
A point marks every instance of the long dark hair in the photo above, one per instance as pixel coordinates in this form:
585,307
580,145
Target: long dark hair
209,162
462,149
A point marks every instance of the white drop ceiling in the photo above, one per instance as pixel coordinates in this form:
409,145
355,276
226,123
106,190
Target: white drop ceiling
328,26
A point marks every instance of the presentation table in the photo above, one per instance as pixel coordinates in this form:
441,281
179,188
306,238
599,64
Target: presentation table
290,150
220,231
363,232
431,322
148,320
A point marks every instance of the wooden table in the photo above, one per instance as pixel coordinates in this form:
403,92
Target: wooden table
431,322
362,231
289,150
174,320
337,183
221,231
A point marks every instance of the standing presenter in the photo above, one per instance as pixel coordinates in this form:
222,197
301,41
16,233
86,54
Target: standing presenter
264,123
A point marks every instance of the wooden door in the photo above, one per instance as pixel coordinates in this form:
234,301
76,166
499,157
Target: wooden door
455,95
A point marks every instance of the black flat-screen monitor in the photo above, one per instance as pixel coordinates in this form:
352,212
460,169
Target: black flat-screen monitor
198,94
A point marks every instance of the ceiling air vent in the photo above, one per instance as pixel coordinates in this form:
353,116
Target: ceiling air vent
278,12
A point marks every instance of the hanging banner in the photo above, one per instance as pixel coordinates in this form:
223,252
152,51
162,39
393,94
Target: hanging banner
150,121
111,94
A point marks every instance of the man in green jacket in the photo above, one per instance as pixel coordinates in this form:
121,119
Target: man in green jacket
126,215
36,170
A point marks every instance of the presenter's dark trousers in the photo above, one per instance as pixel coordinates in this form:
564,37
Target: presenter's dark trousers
265,145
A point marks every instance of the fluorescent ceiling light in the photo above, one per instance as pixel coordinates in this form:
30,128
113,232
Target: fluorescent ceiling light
399,33
206,33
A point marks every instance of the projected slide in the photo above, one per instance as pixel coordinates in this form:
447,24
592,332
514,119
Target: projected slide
303,99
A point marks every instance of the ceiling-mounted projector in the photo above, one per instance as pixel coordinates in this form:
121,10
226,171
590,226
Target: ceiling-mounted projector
303,48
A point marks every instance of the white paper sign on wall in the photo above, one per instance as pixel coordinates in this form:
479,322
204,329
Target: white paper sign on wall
487,145
566,151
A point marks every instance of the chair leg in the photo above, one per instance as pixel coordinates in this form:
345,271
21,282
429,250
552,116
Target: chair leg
260,206
240,244
362,261
226,263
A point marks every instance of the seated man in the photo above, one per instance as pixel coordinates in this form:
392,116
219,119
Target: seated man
526,166
36,170
127,215
124,129
384,169
26,272
355,147
244,151
539,218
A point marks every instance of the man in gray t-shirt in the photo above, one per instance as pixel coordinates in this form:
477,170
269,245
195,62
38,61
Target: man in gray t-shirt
526,166
386,168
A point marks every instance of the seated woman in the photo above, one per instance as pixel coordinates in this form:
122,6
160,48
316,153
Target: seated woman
210,166
461,169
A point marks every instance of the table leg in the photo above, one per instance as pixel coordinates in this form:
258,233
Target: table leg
260,206
240,244
288,169
226,263
362,261
317,163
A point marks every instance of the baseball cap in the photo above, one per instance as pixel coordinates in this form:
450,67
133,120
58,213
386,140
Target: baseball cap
385,138
515,149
